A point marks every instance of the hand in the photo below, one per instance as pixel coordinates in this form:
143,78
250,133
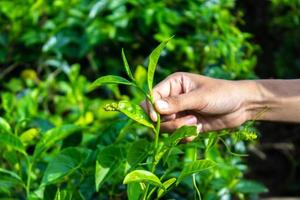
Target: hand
190,99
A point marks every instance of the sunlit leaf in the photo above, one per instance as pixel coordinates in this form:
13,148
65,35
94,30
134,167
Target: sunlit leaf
4,126
126,65
109,79
133,111
181,133
153,59
195,167
142,176
168,183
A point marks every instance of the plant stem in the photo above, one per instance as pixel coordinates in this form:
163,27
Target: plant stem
196,187
29,165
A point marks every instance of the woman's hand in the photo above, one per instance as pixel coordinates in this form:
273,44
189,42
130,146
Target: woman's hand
210,104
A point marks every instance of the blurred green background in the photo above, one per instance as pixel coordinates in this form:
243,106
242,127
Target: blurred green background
50,50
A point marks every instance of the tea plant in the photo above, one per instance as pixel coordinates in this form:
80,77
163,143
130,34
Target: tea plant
152,166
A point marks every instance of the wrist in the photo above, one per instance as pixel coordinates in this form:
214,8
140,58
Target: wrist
256,101
260,102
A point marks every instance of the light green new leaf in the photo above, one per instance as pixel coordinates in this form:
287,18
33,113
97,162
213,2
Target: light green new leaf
4,126
246,186
12,141
133,111
138,152
109,79
65,163
181,133
153,59
195,167
142,176
54,135
126,65
166,185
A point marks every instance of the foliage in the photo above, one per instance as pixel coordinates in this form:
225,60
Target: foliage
57,141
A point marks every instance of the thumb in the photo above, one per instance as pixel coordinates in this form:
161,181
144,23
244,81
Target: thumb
175,104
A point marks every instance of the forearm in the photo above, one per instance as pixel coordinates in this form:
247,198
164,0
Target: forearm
274,100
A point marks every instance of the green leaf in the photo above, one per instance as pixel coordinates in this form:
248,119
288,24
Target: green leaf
133,111
126,65
153,59
11,174
245,186
109,79
195,167
138,152
134,191
54,135
64,164
4,126
107,163
12,141
142,176
181,133
166,185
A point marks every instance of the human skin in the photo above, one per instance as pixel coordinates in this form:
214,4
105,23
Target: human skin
215,104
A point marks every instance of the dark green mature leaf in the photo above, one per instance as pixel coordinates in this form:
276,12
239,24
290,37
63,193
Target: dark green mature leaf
54,135
245,186
108,161
138,152
126,65
153,59
11,174
4,126
181,133
65,163
12,141
195,167
168,183
109,79
142,176
132,111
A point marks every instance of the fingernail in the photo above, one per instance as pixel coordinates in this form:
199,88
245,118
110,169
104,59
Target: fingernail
191,121
161,104
199,128
153,116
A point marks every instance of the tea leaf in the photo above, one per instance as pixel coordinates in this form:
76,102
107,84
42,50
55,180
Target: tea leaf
54,135
195,167
138,152
134,191
181,133
142,176
107,163
133,111
166,185
12,141
109,79
4,126
64,164
126,65
245,186
153,59
11,174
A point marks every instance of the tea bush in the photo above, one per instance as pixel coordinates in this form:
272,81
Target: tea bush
58,142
